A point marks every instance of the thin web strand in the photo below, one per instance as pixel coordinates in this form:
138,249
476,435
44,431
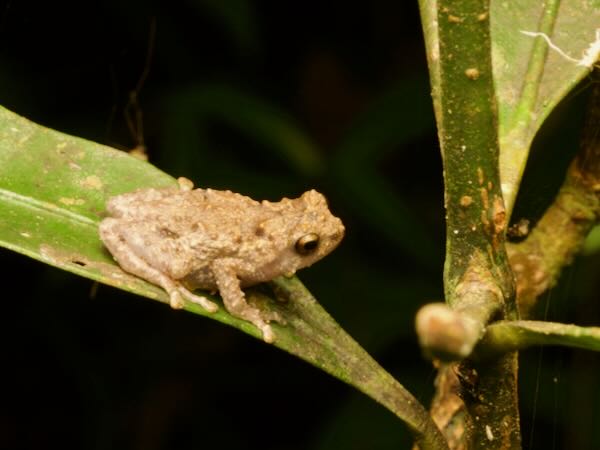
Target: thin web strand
591,55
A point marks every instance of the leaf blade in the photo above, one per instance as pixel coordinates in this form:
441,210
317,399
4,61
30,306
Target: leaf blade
53,188
531,78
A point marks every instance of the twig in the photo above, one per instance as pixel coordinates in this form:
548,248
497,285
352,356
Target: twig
559,235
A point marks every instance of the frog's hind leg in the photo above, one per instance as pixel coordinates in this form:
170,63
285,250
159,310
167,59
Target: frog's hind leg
132,263
235,301
201,300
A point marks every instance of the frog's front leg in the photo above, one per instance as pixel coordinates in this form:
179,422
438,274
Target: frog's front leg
132,263
234,299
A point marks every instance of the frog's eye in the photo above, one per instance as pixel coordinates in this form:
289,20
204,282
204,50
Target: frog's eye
307,243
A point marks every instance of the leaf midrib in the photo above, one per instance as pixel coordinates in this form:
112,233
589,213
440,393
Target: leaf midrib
31,203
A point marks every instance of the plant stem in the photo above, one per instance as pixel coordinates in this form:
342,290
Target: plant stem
476,218
561,232
429,13
478,280
508,336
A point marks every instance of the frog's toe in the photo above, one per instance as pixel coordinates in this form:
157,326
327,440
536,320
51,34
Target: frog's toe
267,333
175,300
209,306
185,184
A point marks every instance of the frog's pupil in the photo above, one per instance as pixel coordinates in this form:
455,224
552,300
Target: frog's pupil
310,245
307,243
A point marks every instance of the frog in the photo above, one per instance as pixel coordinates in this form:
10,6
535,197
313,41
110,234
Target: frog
184,238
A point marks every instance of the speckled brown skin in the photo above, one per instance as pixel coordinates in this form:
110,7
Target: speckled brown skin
188,238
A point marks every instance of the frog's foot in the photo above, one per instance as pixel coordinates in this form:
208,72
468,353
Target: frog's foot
235,301
211,307
261,303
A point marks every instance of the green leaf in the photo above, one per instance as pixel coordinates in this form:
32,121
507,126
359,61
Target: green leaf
52,193
530,78
53,188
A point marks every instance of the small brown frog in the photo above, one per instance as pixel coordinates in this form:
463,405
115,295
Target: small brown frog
183,239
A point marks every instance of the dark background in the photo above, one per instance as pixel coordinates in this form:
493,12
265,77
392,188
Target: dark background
112,371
